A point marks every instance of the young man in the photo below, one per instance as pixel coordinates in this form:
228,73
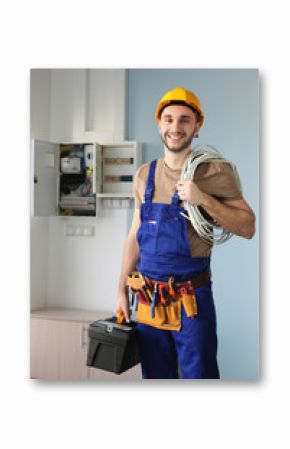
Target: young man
176,313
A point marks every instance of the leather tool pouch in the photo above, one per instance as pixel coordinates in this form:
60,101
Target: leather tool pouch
166,317
189,304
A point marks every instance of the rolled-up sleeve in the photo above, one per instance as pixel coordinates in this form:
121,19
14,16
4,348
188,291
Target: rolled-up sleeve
138,187
219,180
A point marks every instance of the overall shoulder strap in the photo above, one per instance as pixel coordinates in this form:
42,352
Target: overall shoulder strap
175,199
150,182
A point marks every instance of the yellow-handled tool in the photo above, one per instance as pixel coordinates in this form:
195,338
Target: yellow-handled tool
120,317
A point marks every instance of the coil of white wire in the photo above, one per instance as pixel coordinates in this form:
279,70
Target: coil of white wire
208,230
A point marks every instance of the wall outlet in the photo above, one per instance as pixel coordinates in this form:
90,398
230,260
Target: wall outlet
75,230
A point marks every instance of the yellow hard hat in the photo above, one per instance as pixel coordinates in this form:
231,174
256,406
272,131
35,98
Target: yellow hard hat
180,94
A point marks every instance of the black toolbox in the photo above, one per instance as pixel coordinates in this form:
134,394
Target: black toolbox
113,347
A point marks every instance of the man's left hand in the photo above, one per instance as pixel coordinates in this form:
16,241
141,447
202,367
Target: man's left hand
189,191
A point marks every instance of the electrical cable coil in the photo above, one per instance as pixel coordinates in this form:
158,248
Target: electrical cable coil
208,230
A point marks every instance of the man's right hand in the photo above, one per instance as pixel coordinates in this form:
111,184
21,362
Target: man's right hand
123,305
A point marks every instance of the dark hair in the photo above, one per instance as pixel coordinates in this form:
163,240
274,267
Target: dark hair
181,103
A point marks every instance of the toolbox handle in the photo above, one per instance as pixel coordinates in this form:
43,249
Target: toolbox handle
111,326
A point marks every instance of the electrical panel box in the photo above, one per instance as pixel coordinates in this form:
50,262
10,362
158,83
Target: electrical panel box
119,164
71,179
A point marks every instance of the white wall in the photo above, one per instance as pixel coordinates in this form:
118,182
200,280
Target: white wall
83,272
67,105
40,93
39,128
87,105
38,262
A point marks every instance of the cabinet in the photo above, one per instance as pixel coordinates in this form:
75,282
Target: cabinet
70,179
58,346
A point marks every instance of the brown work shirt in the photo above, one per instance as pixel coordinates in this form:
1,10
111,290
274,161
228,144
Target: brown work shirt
214,178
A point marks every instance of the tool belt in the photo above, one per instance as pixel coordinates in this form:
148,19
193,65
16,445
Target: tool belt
158,304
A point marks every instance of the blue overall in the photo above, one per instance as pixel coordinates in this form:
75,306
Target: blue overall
164,252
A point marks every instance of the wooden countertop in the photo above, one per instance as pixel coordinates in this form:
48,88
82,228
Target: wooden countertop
68,314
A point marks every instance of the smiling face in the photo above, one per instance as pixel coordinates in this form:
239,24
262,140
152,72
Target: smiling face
178,125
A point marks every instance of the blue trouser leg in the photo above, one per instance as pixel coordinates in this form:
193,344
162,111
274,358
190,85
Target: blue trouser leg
194,347
196,343
158,354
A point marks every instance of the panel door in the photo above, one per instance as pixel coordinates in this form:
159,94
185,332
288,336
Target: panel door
45,178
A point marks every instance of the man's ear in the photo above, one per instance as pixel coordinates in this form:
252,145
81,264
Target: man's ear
198,126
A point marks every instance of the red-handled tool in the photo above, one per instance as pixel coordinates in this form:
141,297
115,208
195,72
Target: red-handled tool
163,294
